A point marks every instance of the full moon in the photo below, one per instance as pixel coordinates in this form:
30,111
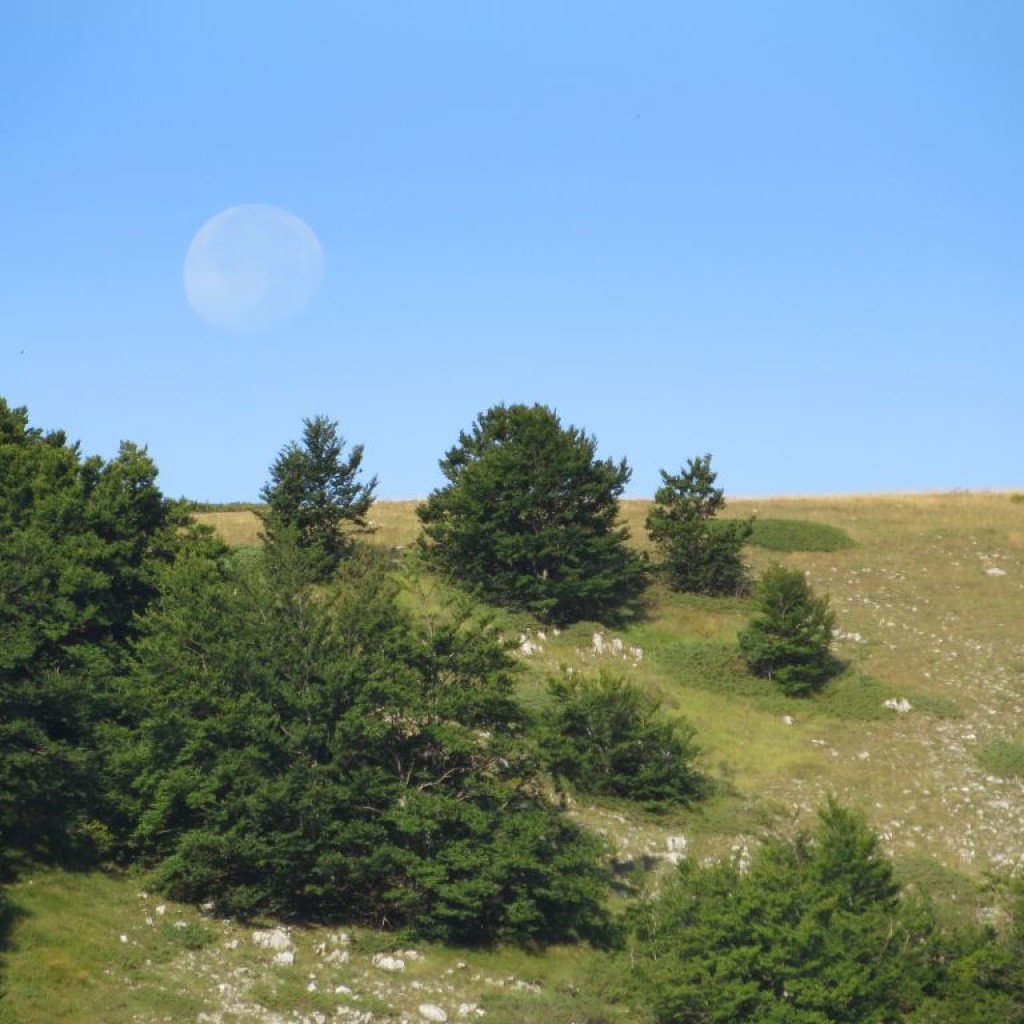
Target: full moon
252,266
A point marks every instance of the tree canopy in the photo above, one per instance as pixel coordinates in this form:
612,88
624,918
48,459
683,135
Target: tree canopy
81,542
314,497
813,931
312,753
789,640
609,737
529,518
700,554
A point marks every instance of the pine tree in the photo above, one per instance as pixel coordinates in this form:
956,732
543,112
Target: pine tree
529,518
314,496
700,554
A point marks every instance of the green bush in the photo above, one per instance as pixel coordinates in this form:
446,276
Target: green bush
608,737
798,535
813,931
788,642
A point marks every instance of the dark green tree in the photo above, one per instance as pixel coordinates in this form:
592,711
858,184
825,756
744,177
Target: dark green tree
314,498
81,542
699,553
609,737
788,642
310,752
529,518
813,932
979,971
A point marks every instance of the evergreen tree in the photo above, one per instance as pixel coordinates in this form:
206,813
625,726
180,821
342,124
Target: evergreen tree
308,751
788,641
610,738
700,554
314,495
80,543
813,932
529,518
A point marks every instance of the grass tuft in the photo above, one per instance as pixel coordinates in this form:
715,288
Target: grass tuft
1004,759
798,535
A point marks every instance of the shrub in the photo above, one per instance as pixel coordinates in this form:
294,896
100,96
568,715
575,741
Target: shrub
788,642
609,738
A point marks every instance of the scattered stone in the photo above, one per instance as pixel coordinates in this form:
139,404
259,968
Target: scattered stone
161,909
787,719
286,958
433,1013
337,956
276,939
124,938
388,963
898,704
676,844
994,570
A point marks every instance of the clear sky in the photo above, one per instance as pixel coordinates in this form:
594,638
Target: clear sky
787,233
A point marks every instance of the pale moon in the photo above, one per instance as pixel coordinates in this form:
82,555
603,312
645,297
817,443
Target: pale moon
251,267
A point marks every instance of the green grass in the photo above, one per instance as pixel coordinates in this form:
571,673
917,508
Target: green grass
1005,759
798,535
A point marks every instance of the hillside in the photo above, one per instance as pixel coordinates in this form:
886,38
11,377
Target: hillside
929,597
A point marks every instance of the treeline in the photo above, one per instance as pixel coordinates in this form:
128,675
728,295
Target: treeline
278,733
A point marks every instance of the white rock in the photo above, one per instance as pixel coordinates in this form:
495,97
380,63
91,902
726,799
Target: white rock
787,719
676,844
597,644
124,938
337,956
898,704
616,645
388,963
161,909
433,1013
994,570
286,958
276,939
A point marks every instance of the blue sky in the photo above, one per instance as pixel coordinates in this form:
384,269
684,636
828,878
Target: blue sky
790,234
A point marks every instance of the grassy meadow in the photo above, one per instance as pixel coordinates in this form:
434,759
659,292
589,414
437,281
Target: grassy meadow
929,596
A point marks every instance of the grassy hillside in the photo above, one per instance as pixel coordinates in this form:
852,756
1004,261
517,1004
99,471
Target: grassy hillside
929,594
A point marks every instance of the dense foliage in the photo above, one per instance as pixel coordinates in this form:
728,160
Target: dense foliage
818,930
700,554
314,498
814,931
529,518
788,641
609,737
81,541
310,752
